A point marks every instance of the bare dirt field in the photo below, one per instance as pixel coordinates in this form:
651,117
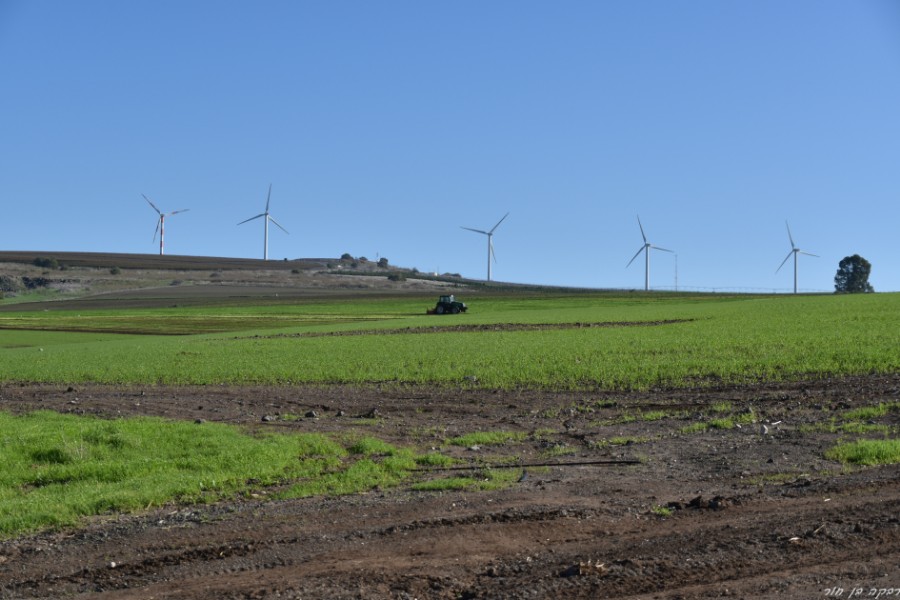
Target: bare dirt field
756,512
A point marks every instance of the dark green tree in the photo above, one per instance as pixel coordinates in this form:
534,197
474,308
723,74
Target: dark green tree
853,276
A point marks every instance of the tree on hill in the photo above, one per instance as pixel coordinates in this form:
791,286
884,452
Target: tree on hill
383,262
853,276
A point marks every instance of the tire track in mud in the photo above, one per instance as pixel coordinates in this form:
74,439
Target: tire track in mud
696,554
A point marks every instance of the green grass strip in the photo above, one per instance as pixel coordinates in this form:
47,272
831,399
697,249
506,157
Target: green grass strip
867,452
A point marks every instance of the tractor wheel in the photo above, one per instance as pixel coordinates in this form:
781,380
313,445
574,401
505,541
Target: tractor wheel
440,309
455,310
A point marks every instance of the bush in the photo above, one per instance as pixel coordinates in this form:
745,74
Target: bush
295,271
346,256
46,263
33,283
383,262
9,284
115,271
396,277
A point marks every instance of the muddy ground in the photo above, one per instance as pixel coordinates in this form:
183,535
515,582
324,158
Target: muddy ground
756,512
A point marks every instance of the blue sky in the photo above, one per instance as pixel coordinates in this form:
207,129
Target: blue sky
384,127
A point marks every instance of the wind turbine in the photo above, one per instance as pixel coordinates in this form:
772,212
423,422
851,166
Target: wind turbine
795,251
646,250
161,222
490,237
268,218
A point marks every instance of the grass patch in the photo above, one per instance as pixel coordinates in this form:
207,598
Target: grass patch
867,413
867,452
654,415
558,450
369,446
833,426
60,468
487,438
661,511
698,427
620,441
435,459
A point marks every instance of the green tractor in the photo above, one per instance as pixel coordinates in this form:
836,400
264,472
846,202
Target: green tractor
448,305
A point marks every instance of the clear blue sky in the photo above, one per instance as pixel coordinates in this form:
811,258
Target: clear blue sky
384,127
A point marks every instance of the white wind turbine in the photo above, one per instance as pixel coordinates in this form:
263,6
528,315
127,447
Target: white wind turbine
795,251
268,218
161,223
490,237
646,250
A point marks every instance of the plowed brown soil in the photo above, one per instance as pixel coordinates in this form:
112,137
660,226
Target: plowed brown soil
754,513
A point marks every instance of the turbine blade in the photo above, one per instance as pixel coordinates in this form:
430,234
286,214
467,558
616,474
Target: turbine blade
492,252
151,204
175,212
808,254
475,230
635,256
158,223
498,222
642,230
279,226
268,198
790,237
663,249
784,261
251,218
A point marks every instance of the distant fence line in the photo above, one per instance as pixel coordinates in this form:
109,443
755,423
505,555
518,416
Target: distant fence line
738,290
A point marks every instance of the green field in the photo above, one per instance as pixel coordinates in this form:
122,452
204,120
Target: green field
59,468
651,340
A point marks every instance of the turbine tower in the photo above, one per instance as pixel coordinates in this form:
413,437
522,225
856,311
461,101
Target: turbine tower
268,218
646,250
490,237
161,223
795,251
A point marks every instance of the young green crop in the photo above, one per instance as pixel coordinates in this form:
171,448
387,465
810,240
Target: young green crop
680,341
